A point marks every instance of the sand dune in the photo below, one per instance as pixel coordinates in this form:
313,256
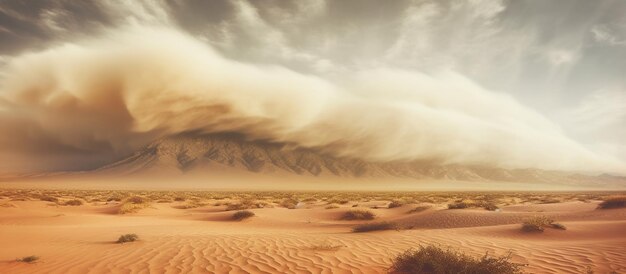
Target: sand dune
310,239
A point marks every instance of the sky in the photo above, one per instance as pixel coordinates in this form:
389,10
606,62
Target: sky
514,84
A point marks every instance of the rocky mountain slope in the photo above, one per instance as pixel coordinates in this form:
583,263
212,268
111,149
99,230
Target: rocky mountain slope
214,152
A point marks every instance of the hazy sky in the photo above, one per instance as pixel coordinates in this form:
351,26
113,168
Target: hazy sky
495,82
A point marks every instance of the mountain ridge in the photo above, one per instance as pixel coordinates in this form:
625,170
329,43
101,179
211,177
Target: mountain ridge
185,153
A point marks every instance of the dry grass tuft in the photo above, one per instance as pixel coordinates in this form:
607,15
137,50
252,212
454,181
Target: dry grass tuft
127,238
375,227
28,259
331,206
133,204
242,214
73,202
358,214
395,203
539,223
418,209
433,259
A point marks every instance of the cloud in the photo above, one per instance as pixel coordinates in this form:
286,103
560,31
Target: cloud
607,35
110,95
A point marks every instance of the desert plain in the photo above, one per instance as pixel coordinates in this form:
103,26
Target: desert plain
78,231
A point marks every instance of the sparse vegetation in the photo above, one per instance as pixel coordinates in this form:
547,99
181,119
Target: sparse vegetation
539,223
613,202
332,206
242,214
126,238
458,205
73,202
374,227
133,204
395,203
289,203
435,260
418,209
490,207
358,214
49,199
28,259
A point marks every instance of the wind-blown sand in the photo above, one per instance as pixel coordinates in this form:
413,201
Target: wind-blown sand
308,239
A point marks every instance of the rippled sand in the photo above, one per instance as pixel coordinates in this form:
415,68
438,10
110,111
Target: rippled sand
304,240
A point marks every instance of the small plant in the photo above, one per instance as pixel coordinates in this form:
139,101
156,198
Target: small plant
332,206
490,207
613,202
242,214
127,238
74,202
395,204
358,215
433,259
136,200
539,223
289,203
49,199
418,209
28,259
374,227
459,205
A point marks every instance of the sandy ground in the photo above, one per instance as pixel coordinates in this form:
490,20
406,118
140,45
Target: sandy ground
309,239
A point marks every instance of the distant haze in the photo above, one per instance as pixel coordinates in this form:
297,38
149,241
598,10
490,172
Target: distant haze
110,78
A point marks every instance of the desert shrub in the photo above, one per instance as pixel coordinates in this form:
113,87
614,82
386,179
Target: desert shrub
133,204
74,202
418,209
358,214
49,199
242,214
539,223
549,201
613,202
245,204
126,238
490,206
332,206
458,205
115,198
136,200
289,203
395,203
28,259
338,201
374,227
435,260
